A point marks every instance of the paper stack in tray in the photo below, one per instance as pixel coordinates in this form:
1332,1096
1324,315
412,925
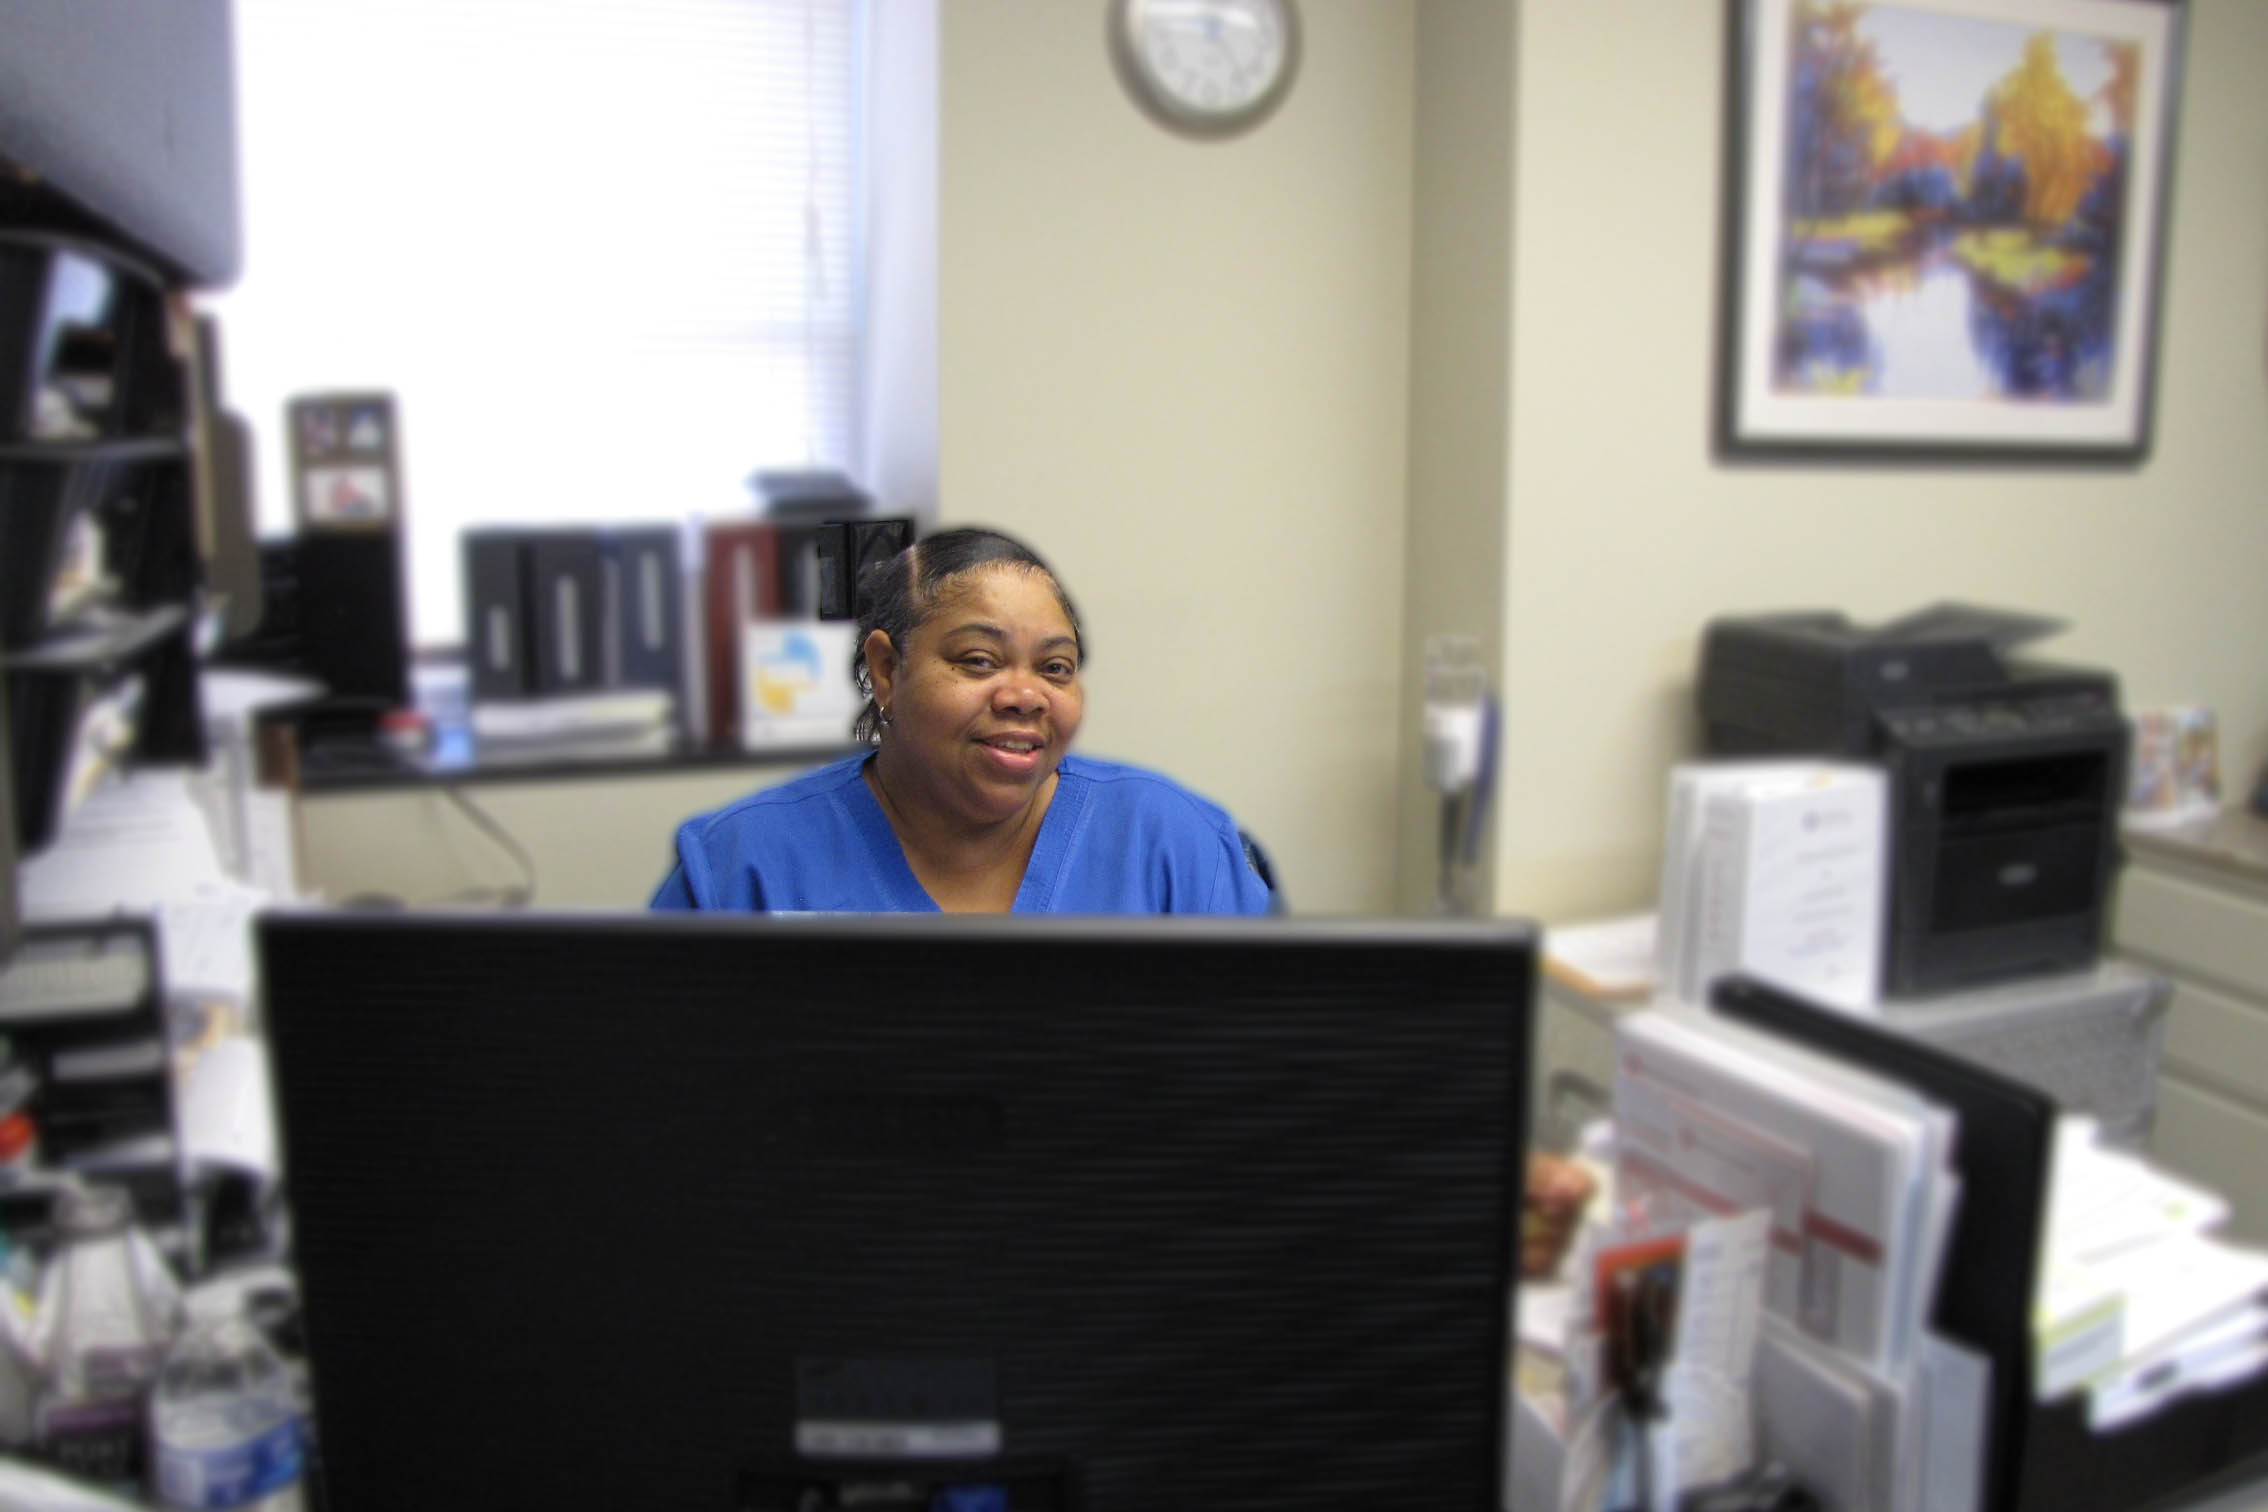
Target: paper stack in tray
1853,1390
613,722
1712,1117
2138,1301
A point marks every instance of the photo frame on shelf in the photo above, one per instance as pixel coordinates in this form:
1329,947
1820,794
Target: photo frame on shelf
346,464
1944,231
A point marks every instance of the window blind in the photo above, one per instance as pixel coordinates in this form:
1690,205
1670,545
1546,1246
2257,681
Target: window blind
602,251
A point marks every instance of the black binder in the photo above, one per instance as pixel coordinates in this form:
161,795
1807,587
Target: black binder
645,626
566,588
846,548
497,629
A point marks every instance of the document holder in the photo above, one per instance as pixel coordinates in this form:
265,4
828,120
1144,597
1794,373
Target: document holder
2039,1456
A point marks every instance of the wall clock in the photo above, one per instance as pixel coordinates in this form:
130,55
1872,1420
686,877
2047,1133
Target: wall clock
1206,68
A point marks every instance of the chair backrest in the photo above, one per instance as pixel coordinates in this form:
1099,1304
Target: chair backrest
1257,859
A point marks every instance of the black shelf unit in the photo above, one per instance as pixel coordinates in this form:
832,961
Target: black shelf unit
96,471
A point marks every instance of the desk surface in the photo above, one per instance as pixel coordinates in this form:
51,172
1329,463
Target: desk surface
361,765
2234,841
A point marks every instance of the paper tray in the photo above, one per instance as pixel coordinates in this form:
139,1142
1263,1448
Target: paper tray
2176,1451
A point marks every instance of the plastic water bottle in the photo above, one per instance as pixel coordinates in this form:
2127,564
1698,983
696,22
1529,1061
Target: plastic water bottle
225,1422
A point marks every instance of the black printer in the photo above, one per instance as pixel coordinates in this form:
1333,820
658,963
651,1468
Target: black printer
2005,777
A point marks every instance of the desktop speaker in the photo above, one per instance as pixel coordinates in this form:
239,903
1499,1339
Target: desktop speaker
352,626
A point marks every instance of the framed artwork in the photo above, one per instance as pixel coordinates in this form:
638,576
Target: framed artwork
346,462
1944,233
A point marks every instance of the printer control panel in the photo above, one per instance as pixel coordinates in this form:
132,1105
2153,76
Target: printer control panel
1988,719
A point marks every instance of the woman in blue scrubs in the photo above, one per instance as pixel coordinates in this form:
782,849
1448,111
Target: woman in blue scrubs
970,800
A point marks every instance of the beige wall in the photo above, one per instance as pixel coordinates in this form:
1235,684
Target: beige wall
1180,369
1624,536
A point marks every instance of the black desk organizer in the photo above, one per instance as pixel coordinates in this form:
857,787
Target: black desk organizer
84,1112
2039,1457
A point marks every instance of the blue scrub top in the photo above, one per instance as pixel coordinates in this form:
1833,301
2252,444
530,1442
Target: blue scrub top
1115,839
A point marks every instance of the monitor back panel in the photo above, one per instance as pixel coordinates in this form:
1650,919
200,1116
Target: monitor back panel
618,1212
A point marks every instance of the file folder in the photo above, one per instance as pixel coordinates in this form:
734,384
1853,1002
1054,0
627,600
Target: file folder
497,632
567,597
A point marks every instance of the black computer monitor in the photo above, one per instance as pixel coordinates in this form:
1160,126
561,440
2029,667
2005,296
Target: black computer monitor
737,1212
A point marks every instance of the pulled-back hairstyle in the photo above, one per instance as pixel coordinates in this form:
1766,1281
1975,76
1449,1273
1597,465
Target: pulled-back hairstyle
896,595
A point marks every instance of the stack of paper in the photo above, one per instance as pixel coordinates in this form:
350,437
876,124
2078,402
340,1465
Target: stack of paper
1712,1117
2138,1301
1677,933
140,839
1853,1175
143,844
1864,1439
1777,869
1610,959
579,717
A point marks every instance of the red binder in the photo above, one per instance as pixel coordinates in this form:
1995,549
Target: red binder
740,582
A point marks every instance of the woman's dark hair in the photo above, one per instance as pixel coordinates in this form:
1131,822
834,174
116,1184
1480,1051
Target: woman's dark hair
894,596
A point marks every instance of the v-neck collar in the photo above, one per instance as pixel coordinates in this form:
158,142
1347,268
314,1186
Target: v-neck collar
886,858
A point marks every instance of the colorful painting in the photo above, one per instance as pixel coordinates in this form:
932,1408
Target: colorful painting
1949,218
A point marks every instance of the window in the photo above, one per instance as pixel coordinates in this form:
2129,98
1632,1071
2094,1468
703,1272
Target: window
604,252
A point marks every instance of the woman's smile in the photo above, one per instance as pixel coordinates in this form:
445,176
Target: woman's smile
1021,750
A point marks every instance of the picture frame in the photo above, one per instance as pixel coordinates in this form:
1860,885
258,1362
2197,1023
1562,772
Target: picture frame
345,461
1944,231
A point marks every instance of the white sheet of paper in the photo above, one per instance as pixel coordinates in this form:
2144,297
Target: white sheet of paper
1954,1400
1720,1309
226,1114
136,842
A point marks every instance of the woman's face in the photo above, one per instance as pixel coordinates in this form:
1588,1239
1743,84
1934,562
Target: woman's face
984,697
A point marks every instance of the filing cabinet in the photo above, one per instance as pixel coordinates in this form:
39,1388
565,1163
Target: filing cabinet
2193,903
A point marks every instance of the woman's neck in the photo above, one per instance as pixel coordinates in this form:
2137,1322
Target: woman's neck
964,866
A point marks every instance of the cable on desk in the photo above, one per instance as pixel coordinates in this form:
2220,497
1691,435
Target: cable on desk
510,897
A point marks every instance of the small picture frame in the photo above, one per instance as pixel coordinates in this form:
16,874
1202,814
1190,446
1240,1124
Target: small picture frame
2176,771
796,683
346,472
1945,227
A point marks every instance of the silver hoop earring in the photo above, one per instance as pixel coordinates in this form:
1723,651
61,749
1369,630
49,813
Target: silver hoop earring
882,717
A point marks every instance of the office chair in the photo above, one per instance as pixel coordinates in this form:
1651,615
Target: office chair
1257,859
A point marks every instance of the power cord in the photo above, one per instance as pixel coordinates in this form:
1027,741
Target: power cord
518,896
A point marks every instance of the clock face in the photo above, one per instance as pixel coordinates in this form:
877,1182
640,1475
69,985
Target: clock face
1208,67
